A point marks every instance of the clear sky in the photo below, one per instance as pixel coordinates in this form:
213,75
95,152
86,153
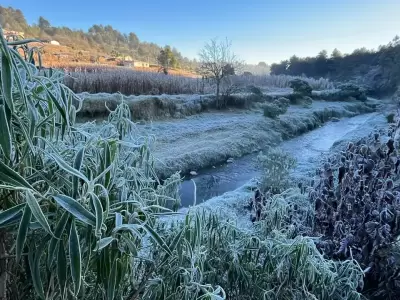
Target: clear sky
260,30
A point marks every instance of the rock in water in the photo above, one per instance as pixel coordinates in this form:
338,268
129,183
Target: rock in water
193,173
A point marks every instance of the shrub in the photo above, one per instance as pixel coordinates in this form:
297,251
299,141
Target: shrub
275,165
300,87
357,210
352,90
255,90
390,118
283,102
307,101
272,110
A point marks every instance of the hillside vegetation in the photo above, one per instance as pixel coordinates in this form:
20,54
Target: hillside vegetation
378,70
99,40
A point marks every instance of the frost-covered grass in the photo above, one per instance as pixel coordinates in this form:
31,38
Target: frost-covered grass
207,139
283,81
145,107
131,82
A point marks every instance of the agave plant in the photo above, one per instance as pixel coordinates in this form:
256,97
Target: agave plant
75,202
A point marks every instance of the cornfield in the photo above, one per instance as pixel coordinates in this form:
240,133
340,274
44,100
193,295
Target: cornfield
81,208
131,82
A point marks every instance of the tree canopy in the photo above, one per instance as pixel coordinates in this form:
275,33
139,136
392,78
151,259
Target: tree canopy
378,69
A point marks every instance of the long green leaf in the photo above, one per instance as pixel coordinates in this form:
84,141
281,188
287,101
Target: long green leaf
77,166
107,161
68,168
37,211
61,267
23,231
7,79
10,213
154,235
5,136
35,268
57,234
112,280
131,245
5,50
76,209
75,258
9,176
23,42
102,243
60,109
99,214
12,221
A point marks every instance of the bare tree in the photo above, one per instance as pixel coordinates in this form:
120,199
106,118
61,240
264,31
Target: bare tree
217,61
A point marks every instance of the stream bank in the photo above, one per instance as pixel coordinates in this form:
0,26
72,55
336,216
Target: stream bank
210,139
308,150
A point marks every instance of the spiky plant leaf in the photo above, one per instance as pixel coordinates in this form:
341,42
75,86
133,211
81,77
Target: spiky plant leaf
75,258
23,231
76,209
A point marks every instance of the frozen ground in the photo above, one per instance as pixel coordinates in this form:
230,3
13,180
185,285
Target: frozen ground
207,139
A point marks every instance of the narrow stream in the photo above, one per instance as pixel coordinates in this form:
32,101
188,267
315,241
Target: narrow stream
307,149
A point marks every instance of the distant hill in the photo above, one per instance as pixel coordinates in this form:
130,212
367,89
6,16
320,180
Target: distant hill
98,41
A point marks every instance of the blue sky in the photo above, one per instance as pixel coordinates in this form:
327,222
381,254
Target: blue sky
260,30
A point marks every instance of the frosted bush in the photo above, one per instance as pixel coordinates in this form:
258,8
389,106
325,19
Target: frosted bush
276,166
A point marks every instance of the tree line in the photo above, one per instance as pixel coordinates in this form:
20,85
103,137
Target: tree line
102,38
378,70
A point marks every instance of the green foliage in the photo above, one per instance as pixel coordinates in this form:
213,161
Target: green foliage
82,192
276,166
376,69
215,259
166,58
